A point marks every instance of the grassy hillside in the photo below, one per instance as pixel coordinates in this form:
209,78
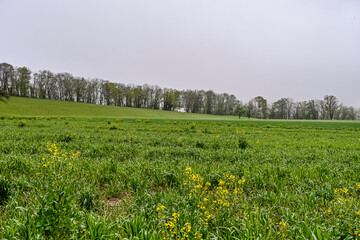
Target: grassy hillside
40,107
29,107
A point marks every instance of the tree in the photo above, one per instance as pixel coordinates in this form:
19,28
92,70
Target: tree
129,96
220,104
6,77
156,93
346,113
331,105
240,110
312,110
282,108
300,110
40,80
230,104
80,85
93,91
109,92
250,108
23,76
168,99
209,102
261,107
192,101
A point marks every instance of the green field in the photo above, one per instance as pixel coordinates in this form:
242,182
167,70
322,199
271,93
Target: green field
81,171
40,107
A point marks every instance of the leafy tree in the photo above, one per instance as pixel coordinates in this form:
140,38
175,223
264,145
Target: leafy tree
230,104
129,96
261,107
23,76
168,99
6,77
282,109
240,110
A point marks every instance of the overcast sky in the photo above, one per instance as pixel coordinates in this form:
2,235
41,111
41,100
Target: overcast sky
303,49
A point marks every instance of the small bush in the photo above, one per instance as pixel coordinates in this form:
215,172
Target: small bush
22,124
242,142
200,144
4,191
87,199
113,127
65,138
56,215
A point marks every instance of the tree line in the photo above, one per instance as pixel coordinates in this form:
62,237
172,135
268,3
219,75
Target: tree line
44,84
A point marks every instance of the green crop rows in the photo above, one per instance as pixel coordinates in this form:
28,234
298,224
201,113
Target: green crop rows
156,179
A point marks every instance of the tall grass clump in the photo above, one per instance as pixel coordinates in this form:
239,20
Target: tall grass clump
4,191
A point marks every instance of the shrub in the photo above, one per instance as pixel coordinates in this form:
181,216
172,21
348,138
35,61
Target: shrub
87,199
4,191
113,127
22,124
242,142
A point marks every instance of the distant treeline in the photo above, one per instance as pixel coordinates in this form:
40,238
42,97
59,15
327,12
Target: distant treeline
20,81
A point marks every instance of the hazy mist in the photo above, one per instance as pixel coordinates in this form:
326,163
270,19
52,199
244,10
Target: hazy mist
303,49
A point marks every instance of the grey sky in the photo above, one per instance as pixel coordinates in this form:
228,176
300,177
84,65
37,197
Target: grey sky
282,48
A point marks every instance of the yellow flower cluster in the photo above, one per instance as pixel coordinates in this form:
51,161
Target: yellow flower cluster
357,234
343,205
171,224
57,156
160,210
282,228
342,195
210,201
341,191
172,227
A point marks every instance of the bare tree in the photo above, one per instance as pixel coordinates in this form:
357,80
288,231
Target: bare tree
312,110
282,109
209,102
250,108
331,105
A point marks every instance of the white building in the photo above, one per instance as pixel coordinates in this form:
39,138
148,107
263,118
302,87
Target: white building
180,109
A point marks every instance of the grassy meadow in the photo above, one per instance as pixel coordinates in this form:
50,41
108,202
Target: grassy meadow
81,171
32,107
